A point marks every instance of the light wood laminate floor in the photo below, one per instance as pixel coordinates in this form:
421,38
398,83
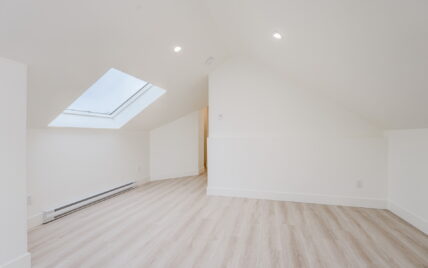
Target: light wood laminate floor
174,224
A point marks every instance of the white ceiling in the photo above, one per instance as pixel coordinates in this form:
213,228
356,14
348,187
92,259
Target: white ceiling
371,56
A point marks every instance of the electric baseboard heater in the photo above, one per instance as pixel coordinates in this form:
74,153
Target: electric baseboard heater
56,213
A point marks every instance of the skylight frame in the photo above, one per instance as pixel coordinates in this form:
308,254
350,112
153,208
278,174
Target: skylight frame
104,115
144,89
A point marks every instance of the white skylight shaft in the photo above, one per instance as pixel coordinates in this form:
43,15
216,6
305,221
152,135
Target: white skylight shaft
110,102
106,95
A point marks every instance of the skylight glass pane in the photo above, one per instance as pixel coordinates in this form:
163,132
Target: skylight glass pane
110,103
108,93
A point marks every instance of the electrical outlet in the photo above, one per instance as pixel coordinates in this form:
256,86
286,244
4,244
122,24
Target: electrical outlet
359,184
28,199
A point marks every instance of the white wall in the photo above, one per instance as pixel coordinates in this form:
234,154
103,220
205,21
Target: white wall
13,220
175,148
408,175
270,139
65,165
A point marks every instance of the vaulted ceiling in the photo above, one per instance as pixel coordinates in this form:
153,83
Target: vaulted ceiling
371,56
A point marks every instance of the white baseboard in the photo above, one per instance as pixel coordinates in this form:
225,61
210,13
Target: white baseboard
409,217
143,181
23,261
174,175
35,221
303,198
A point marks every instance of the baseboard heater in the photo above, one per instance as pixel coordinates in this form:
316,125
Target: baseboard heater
56,213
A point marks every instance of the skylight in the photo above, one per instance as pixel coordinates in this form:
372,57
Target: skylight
110,102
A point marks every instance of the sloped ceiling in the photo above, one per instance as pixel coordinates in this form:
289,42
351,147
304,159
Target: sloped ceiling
371,56
70,44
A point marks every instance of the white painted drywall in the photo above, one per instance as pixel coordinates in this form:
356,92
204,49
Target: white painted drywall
270,139
13,221
66,165
408,175
175,148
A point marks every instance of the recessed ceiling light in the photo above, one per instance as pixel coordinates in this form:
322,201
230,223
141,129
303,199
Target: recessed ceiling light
177,49
277,36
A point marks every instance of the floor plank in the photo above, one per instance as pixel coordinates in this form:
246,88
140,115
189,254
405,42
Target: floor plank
173,223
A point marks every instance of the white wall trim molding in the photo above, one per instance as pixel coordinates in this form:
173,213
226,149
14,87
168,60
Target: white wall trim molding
408,216
23,261
298,197
34,221
175,175
143,181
